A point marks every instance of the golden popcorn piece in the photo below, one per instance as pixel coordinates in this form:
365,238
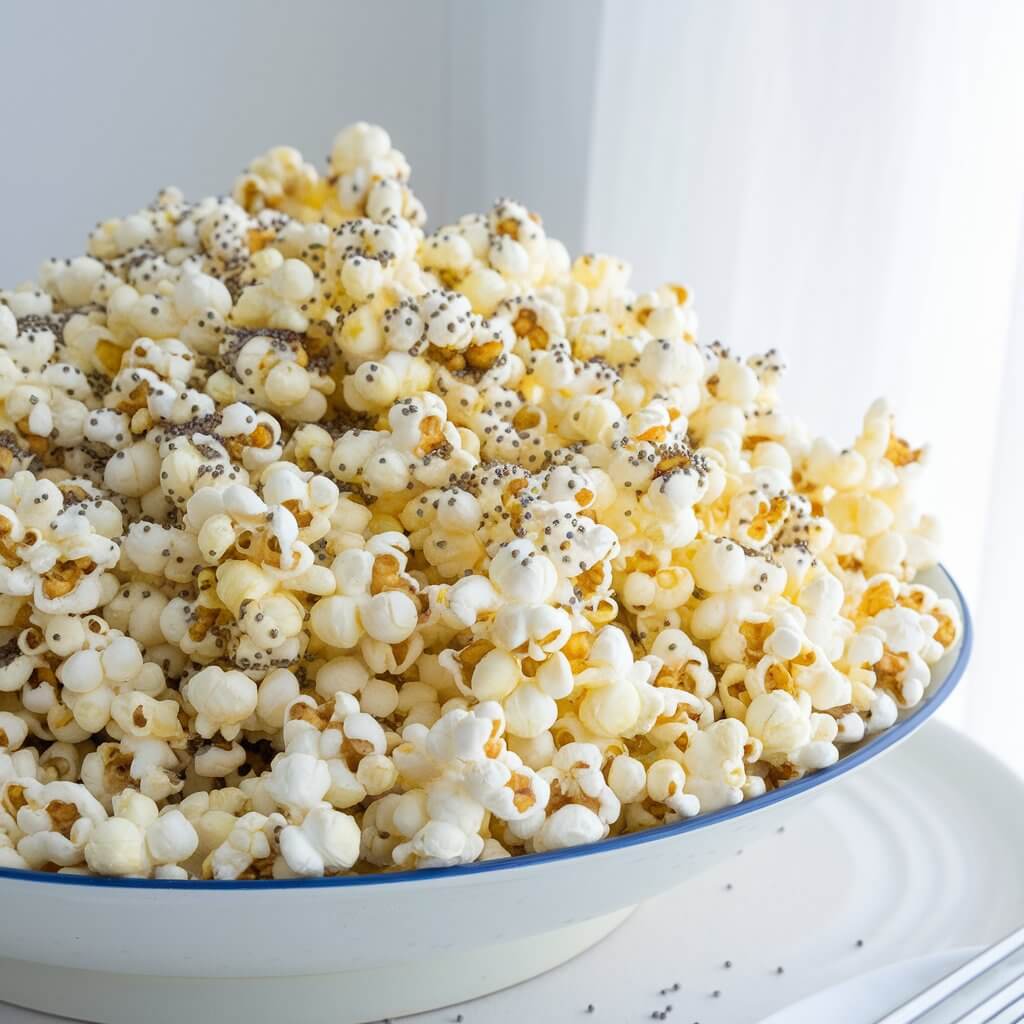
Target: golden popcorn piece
900,454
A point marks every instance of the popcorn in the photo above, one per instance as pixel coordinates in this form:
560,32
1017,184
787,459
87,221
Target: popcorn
372,176
616,686
298,782
326,842
582,804
330,546
138,839
151,764
465,771
113,682
54,554
55,820
250,849
271,368
714,761
222,700
213,815
281,180
627,778
666,783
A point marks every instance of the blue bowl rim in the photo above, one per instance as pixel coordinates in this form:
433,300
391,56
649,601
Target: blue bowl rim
865,752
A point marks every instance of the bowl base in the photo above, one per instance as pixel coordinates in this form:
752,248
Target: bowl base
353,997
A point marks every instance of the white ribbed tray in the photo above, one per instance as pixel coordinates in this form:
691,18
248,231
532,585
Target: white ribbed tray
916,854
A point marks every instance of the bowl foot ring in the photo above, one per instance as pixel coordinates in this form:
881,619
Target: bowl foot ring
352,997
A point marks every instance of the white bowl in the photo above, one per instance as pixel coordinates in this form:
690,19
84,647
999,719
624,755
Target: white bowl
347,950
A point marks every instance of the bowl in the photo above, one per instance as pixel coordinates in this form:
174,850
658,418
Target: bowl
355,949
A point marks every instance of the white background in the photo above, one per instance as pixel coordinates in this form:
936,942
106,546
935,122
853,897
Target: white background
841,179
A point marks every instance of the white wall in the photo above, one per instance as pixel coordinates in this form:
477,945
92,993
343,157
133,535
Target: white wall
842,181
115,101
845,182
519,94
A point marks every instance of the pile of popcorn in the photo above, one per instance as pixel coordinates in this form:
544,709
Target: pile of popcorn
328,545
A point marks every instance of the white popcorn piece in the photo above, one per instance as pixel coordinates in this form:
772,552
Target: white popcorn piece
617,686
714,764
249,850
110,682
666,783
327,841
147,763
222,699
577,786
627,778
56,820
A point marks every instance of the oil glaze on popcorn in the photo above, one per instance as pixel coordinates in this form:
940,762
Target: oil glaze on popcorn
329,546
